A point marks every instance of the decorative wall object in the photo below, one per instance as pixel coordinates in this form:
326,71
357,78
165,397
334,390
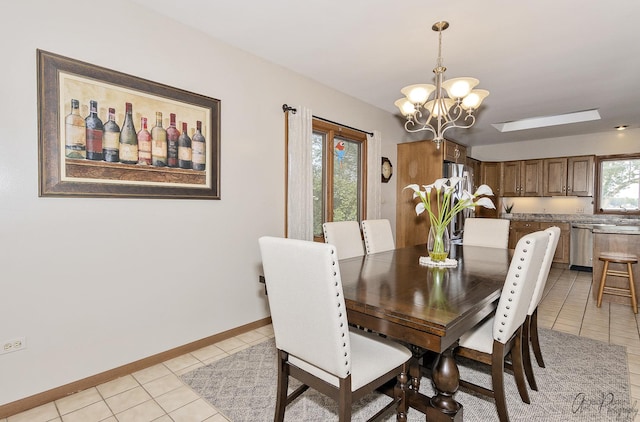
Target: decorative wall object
103,133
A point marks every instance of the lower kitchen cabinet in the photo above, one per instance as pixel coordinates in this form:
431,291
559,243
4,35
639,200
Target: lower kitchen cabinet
518,229
562,250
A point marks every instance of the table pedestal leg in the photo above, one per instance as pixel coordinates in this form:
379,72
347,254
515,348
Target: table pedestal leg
446,379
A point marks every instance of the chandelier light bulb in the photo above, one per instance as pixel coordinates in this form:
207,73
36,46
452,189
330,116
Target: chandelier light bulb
433,107
406,107
474,99
418,93
459,87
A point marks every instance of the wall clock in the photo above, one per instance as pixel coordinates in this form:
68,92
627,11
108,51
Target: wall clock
387,170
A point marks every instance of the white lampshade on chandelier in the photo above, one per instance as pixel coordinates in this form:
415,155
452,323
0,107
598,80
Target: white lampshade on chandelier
425,103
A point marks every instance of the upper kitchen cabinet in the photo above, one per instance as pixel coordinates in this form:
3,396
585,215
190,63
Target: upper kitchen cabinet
569,176
454,152
522,178
490,175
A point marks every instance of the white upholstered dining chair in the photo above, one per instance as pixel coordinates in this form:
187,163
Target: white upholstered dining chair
378,236
490,232
530,328
314,341
345,236
493,339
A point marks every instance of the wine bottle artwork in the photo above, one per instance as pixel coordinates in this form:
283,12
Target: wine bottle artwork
159,143
75,136
172,142
128,138
102,133
95,130
198,148
111,139
184,148
144,144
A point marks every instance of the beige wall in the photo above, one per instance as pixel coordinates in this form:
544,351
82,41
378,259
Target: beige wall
87,296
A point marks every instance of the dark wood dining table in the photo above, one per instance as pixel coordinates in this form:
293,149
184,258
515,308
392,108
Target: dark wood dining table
428,308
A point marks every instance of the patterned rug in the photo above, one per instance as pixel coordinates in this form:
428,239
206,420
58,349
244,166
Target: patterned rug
584,380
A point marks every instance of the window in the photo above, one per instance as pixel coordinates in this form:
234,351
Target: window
618,184
339,174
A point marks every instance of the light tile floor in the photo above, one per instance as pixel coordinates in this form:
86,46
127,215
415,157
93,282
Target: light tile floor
157,394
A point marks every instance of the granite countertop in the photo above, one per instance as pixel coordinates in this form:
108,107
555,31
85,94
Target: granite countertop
631,223
605,229
604,224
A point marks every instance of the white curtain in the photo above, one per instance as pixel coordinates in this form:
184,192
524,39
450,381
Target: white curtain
374,163
299,175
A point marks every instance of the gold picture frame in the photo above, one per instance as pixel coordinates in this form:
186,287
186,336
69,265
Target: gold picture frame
62,80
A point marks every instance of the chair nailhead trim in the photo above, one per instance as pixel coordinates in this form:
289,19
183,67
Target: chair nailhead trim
505,315
340,313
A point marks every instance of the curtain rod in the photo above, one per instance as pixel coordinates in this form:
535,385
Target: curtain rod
286,108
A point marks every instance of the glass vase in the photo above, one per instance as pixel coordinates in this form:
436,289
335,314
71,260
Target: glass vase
438,243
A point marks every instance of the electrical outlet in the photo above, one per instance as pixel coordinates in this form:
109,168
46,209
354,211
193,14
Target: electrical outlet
13,345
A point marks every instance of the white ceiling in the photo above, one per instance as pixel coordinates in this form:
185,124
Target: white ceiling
537,58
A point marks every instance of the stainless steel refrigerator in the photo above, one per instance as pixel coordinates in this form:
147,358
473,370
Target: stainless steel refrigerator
466,173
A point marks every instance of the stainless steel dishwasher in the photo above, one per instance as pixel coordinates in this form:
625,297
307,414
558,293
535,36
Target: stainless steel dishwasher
581,247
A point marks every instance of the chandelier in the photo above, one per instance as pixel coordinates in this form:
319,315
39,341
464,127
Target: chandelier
443,111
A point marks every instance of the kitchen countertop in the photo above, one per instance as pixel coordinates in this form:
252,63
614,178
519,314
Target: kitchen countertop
617,229
630,224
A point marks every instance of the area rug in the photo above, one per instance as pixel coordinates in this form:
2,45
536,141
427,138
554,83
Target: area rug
584,380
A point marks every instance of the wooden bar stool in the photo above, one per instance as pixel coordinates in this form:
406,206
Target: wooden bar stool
618,258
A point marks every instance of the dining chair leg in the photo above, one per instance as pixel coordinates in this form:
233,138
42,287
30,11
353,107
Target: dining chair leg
526,354
535,339
518,371
344,401
400,393
497,380
283,385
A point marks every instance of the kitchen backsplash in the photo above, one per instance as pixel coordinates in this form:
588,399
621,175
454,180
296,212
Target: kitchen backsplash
552,205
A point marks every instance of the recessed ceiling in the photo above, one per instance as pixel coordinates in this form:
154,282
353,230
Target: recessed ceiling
537,58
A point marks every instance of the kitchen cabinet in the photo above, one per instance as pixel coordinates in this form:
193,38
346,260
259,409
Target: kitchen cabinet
580,172
569,176
518,229
490,175
421,163
522,178
476,167
454,152
562,250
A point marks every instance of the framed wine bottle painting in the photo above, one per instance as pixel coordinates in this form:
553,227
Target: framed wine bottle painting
103,133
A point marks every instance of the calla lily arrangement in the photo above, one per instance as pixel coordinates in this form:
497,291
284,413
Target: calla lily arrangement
444,188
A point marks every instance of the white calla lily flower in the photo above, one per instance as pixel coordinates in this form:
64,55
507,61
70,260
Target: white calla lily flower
483,190
485,202
441,191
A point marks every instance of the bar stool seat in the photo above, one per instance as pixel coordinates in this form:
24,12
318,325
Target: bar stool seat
618,258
